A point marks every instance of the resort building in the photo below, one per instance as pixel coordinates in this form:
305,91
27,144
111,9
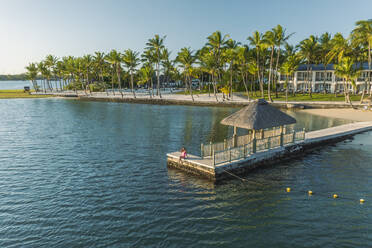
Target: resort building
314,78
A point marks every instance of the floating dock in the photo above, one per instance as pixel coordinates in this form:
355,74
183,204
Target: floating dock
206,166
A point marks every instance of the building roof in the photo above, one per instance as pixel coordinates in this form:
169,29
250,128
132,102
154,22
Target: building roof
258,115
330,67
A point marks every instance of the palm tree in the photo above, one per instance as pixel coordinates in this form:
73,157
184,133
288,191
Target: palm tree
99,66
115,58
325,48
242,60
131,61
145,75
216,44
50,62
280,39
288,68
87,63
186,59
363,35
207,65
31,74
256,40
148,59
269,40
231,54
156,45
309,49
347,70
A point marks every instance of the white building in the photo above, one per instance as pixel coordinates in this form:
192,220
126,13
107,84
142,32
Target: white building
299,81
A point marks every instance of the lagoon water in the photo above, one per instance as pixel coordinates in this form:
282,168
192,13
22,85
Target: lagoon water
14,85
93,174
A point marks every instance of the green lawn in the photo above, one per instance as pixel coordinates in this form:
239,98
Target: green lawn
8,94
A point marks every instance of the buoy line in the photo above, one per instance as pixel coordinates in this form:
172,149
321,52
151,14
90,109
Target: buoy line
334,196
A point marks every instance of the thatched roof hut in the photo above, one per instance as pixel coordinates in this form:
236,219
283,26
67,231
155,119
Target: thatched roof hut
258,115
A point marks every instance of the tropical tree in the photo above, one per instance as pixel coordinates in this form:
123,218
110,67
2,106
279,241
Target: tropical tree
256,40
362,34
131,61
347,70
288,68
270,41
31,74
309,49
115,58
243,62
231,55
324,49
216,44
186,59
99,65
156,45
281,38
145,76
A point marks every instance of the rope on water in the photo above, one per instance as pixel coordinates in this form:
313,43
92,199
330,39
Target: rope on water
234,175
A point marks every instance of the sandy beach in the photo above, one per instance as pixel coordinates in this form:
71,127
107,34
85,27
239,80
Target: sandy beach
349,114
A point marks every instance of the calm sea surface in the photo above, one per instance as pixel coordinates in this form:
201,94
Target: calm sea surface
14,85
90,174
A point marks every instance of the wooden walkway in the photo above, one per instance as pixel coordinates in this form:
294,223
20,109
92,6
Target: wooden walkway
312,139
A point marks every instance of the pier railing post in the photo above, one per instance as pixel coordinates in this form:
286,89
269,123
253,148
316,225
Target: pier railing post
294,137
254,145
304,133
268,143
229,154
245,151
281,136
213,159
224,144
202,151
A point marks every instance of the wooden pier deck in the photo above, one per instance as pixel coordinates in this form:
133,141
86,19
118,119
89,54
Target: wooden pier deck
205,166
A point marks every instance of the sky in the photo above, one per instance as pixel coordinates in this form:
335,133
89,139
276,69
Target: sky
30,30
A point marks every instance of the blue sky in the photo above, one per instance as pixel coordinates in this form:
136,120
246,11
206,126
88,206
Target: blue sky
32,29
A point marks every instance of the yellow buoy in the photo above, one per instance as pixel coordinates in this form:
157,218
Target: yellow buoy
361,200
310,192
335,196
288,189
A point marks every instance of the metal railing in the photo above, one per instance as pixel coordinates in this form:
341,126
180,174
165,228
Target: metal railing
206,149
257,145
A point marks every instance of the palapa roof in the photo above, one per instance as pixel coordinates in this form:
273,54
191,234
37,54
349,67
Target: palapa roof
258,115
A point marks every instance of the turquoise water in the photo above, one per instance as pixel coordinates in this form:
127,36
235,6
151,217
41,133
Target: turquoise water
94,174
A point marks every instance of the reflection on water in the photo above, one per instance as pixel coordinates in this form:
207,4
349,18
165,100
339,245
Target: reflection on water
90,174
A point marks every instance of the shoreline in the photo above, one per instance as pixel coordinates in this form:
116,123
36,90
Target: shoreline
205,100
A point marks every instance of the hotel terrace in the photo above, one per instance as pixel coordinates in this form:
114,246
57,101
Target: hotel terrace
302,80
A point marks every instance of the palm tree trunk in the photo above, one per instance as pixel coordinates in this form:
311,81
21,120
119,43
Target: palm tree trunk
276,72
119,82
245,85
131,84
190,88
231,79
269,83
112,82
158,78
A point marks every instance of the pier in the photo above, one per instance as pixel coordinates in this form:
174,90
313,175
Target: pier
262,146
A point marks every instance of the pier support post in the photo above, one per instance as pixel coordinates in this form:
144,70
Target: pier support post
213,159
281,136
230,154
294,137
210,143
254,141
202,151
234,137
304,133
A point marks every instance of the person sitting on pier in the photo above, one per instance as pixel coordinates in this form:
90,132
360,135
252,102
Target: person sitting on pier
183,153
